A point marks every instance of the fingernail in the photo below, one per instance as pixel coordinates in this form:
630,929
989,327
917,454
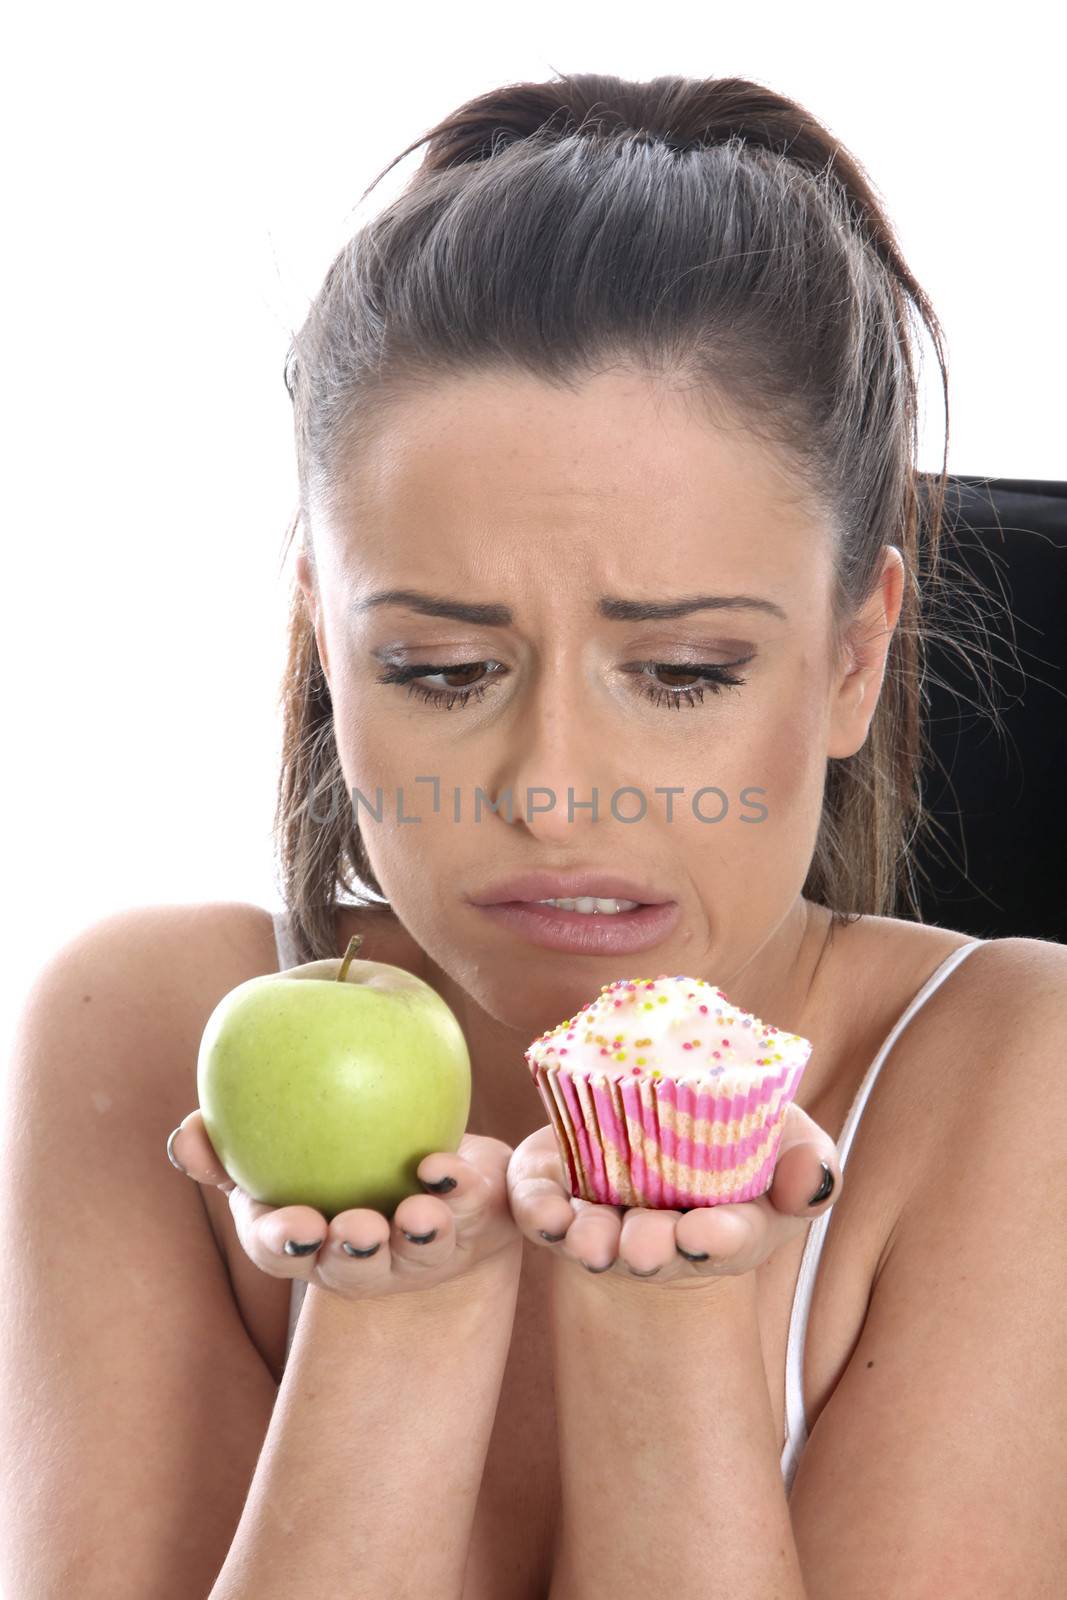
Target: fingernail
699,1255
825,1188
350,1249
293,1249
170,1151
588,1268
420,1238
649,1274
551,1238
442,1186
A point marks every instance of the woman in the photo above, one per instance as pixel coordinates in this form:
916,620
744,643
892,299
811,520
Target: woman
611,415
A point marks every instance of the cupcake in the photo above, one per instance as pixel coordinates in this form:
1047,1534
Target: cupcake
663,1094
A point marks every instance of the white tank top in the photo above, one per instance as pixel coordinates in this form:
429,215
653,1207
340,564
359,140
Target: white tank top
796,1427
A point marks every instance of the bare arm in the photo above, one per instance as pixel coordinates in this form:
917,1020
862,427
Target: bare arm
668,1457
132,1396
368,1479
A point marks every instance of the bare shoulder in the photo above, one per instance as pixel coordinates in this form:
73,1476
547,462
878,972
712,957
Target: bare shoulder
204,949
140,1326
978,1062
184,941
1000,1033
951,1414
997,978
164,953
998,1003
1008,997
153,973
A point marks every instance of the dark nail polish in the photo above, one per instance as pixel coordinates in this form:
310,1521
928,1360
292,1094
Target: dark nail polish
170,1151
825,1188
294,1249
588,1268
552,1238
420,1238
700,1255
442,1186
350,1249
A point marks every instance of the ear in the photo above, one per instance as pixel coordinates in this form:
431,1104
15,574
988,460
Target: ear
859,681
306,578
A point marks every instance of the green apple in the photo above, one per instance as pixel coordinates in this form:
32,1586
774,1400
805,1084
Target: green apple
326,1085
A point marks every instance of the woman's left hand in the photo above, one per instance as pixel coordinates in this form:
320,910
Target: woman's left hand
638,1241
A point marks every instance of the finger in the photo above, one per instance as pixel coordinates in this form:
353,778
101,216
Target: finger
537,1161
468,1194
422,1234
538,1155
356,1254
541,1205
800,1172
542,1211
190,1149
539,1192
592,1240
715,1239
276,1238
646,1241
484,1153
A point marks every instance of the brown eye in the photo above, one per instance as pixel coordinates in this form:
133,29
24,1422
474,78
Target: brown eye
674,673
462,673
702,675
452,693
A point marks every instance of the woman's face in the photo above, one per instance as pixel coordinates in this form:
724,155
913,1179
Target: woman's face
547,511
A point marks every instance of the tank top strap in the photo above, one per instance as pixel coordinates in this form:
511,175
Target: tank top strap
796,1420
287,956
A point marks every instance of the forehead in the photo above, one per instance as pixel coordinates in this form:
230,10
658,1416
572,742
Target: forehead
622,467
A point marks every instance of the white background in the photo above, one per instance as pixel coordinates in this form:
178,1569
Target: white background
177,181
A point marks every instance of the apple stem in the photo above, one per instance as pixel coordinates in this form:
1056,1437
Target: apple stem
349,955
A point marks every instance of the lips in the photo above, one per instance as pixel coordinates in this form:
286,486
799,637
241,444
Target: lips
573,885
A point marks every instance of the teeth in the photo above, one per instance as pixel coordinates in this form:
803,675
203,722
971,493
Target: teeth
587,905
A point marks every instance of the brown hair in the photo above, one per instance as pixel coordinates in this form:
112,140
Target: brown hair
708,230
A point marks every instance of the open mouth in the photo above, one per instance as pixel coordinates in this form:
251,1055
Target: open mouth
582,926
586,906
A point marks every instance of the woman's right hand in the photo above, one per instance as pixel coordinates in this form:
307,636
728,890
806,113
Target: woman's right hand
467,1224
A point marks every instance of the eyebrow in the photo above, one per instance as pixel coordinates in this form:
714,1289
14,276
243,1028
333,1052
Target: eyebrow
490,615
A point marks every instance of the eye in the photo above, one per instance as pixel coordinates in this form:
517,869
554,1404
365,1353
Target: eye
707,675
447,697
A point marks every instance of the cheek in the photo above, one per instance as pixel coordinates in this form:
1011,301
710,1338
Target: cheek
776,759
793,757
370,741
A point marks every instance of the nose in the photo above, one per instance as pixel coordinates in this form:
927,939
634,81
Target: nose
557,766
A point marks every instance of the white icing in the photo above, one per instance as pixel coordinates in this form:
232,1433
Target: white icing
677,1027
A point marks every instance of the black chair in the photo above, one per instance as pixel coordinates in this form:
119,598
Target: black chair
994,862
